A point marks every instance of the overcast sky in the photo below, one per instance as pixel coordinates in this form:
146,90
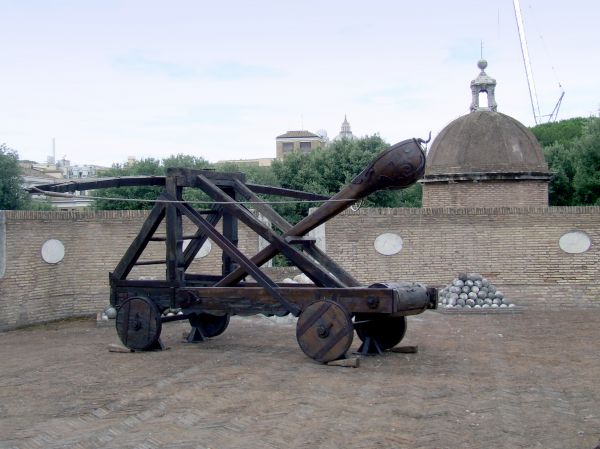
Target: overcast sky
221,79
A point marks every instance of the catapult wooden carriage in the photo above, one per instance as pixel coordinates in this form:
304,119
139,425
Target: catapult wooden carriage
328,311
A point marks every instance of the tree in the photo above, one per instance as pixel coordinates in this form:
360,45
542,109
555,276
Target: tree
568,146
563,131
12,195
561,162
587,164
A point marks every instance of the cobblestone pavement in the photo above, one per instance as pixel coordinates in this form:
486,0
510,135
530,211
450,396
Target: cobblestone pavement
528,380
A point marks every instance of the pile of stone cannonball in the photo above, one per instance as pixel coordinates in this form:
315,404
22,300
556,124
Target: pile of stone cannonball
472,291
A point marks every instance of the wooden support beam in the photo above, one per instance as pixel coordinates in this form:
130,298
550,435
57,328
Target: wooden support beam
102,183
281,223
230,232
150,262
125,265
228,247
174,228
310,268
302,240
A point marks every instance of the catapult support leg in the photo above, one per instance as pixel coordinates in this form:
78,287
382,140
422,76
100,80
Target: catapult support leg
370,347
195,335
205,325
378,333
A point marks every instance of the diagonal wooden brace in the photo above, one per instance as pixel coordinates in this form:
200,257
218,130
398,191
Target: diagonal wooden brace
318,255
229,248
319,276
157,214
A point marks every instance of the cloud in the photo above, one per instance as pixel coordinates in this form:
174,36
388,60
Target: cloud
237,71
139,63
221,71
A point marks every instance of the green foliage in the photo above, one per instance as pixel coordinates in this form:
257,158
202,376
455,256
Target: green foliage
572,150
562,132
560,158
587,164
11,194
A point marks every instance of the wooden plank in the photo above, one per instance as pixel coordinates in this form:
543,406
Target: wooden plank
309,267
230,232
101,183
174,228
257,300
294,239
186,177
237,255
155,217
150,262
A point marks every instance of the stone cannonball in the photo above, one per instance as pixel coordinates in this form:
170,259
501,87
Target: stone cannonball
110,312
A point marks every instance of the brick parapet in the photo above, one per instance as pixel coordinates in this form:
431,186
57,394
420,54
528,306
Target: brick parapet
515,247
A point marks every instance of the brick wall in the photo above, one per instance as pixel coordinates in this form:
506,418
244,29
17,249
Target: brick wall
485,194
516,248
32,290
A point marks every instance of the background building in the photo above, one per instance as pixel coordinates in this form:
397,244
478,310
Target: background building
345,132
485,158
291,141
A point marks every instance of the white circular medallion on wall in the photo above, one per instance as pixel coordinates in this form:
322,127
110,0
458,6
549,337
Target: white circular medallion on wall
575,242
204,250
388,244
53,251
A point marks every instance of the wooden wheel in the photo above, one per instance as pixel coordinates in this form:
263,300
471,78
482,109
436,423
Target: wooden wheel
138,323
325,331
386,331
210,325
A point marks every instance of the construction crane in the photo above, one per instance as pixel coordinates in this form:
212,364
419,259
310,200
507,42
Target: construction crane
535,107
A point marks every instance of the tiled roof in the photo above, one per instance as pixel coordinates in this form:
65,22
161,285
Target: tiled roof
292,134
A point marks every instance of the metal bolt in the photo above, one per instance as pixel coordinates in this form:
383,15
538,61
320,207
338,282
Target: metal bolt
323,330
372,302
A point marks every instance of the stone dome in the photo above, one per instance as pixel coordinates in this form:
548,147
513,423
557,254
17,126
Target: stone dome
485,158
485,142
